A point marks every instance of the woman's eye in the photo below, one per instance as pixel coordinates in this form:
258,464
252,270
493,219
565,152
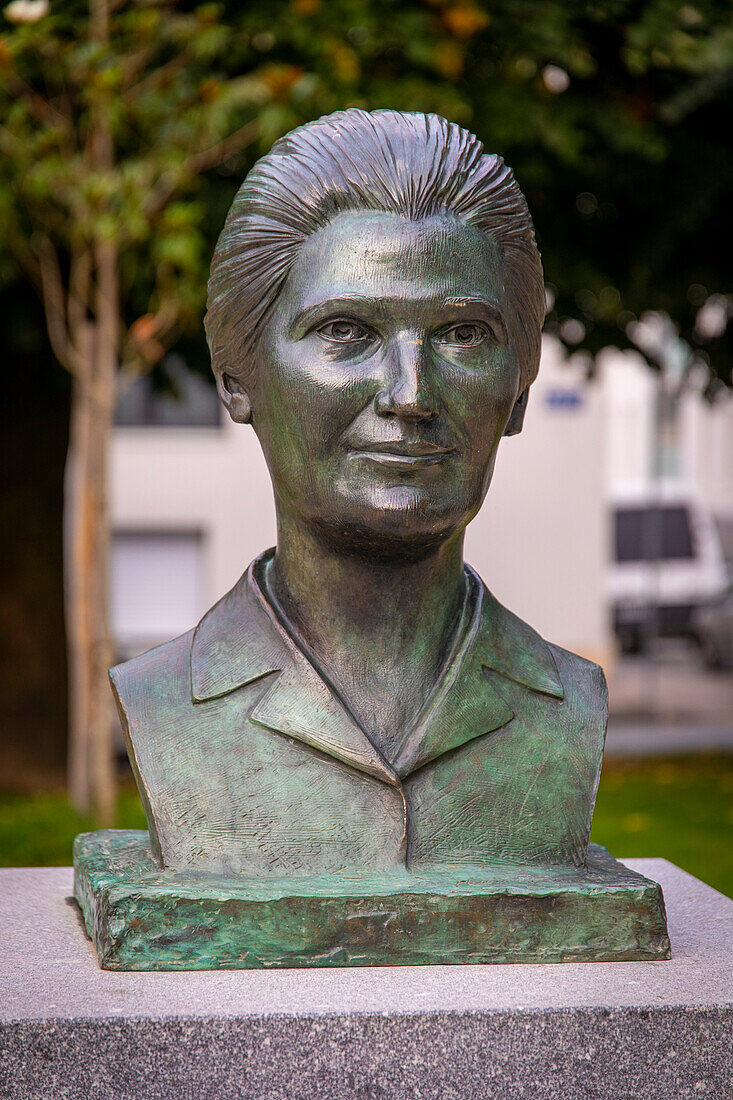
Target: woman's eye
343,332
463,335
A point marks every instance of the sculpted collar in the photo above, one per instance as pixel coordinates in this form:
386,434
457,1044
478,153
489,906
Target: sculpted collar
240,640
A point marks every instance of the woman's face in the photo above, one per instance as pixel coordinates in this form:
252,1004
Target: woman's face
384,379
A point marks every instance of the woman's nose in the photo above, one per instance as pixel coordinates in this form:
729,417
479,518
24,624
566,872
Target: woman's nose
407,393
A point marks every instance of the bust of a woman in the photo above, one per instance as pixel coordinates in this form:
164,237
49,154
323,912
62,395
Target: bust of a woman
359,700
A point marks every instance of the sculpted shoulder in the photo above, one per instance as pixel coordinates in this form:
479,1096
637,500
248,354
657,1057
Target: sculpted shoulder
583,716
156,679
152,693
584,683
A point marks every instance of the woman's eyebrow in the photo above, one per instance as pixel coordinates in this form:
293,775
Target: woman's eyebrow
485,309
342,303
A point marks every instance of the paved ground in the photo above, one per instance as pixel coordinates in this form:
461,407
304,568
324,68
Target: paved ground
668,702
629,738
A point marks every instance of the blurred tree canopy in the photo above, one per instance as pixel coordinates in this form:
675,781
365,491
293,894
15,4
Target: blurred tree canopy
616,116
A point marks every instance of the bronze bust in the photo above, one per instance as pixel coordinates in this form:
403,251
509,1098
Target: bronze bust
359,703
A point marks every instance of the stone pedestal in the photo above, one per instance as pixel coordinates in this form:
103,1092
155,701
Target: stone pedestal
613,1031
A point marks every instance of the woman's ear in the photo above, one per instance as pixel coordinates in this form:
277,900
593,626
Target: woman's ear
516,417
234,398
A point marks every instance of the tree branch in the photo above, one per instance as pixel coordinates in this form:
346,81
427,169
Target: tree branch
147,340
209,158
174,65
54,304
41,109
199,162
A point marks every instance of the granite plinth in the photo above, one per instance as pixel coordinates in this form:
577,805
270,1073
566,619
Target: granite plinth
143,918
601,1031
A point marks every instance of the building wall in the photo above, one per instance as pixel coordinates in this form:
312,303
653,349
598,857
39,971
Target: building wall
703,463
628,390
707,441
541,540
212,481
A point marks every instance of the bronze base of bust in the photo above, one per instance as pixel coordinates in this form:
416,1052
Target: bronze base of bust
143,918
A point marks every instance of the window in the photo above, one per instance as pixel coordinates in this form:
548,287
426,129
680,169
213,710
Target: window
156,588
654,533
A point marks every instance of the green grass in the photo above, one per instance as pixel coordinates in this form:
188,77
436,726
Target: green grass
679,808
39,830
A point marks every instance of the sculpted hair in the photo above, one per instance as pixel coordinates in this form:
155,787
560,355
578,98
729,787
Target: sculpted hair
416,165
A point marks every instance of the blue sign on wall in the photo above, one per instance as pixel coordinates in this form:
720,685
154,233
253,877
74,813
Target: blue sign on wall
564,399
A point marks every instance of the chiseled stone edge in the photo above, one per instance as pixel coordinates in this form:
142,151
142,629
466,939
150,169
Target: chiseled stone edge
140,918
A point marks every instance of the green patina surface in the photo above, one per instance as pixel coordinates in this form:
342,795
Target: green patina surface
143,918
359,699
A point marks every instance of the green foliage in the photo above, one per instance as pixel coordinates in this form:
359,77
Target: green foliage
681,809
39,831
147,88
617,117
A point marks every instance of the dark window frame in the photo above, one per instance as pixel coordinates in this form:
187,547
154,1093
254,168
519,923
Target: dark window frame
653,532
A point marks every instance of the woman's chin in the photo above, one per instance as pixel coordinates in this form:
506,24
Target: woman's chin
394,535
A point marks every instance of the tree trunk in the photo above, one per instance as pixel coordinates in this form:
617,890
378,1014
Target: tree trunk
77,553
91,766
91,757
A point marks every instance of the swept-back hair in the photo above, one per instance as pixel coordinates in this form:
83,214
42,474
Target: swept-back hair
416,165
